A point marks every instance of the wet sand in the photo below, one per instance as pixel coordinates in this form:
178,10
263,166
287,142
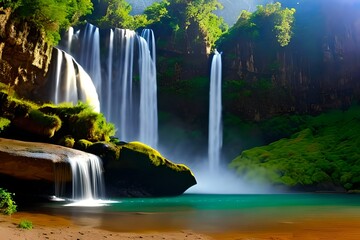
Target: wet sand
332,227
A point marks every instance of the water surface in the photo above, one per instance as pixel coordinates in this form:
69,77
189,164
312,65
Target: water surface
212,214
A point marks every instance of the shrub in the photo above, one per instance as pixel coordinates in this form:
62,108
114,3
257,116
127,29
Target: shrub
7,204
25,224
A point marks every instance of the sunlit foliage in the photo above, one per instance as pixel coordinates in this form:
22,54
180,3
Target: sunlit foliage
7,204
268,19
50,16
187,17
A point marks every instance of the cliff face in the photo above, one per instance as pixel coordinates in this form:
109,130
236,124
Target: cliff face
24,55
318,70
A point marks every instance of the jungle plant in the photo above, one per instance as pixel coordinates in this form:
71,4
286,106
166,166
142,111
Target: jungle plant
25,224
7,204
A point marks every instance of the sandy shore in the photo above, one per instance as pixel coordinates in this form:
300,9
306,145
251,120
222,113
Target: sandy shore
336,227
55,228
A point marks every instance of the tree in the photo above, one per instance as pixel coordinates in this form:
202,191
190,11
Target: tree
191,22
265,21
118,14
50,16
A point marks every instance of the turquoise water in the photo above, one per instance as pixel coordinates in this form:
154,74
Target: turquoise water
209,213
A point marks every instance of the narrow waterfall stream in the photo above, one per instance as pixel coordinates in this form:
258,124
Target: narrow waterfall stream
215,108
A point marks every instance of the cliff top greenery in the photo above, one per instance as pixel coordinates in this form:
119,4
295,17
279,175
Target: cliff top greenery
50,16
271,18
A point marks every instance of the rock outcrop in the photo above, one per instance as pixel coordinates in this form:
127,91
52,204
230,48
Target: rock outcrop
24,54
132,169
34,161
136,170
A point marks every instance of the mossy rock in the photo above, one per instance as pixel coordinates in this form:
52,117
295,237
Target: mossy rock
141,171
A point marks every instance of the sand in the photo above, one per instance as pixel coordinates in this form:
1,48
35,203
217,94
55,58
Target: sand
56,227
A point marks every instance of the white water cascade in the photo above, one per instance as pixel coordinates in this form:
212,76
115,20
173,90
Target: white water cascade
87,180
148,115
70,82
87,183
215,108
124,76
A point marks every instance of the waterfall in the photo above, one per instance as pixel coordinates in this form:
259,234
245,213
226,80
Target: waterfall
124,75
86,175
89,58
71,82
87,180
148,95
215,119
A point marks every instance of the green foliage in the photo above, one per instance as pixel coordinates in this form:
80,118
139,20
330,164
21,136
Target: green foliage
157,11
25,224
91,125
51,16
47,120
118,14
81,122
266,20
4,123
7,204
186,19
325,150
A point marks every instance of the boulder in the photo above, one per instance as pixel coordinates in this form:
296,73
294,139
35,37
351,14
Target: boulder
34,161
136,170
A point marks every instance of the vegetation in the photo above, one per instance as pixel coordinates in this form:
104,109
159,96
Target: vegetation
7,204
64,123
187,22
270,19
154,156
325,150
50,16
25,224
118,14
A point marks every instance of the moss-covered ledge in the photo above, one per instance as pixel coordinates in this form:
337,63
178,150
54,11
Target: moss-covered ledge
137,170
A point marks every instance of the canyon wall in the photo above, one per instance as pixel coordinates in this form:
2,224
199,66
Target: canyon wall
24,54
318,70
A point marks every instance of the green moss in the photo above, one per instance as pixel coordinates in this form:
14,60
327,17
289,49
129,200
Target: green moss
67,141
154,156
325,150
81,121
46,120
82,144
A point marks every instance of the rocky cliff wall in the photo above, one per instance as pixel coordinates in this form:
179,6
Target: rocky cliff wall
24,54
318,70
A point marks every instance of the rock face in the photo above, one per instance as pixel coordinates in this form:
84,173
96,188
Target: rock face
140,171
34,161
318,70
24,55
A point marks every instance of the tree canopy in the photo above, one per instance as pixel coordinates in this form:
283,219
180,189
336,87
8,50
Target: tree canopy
195,19
50,16
271,19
